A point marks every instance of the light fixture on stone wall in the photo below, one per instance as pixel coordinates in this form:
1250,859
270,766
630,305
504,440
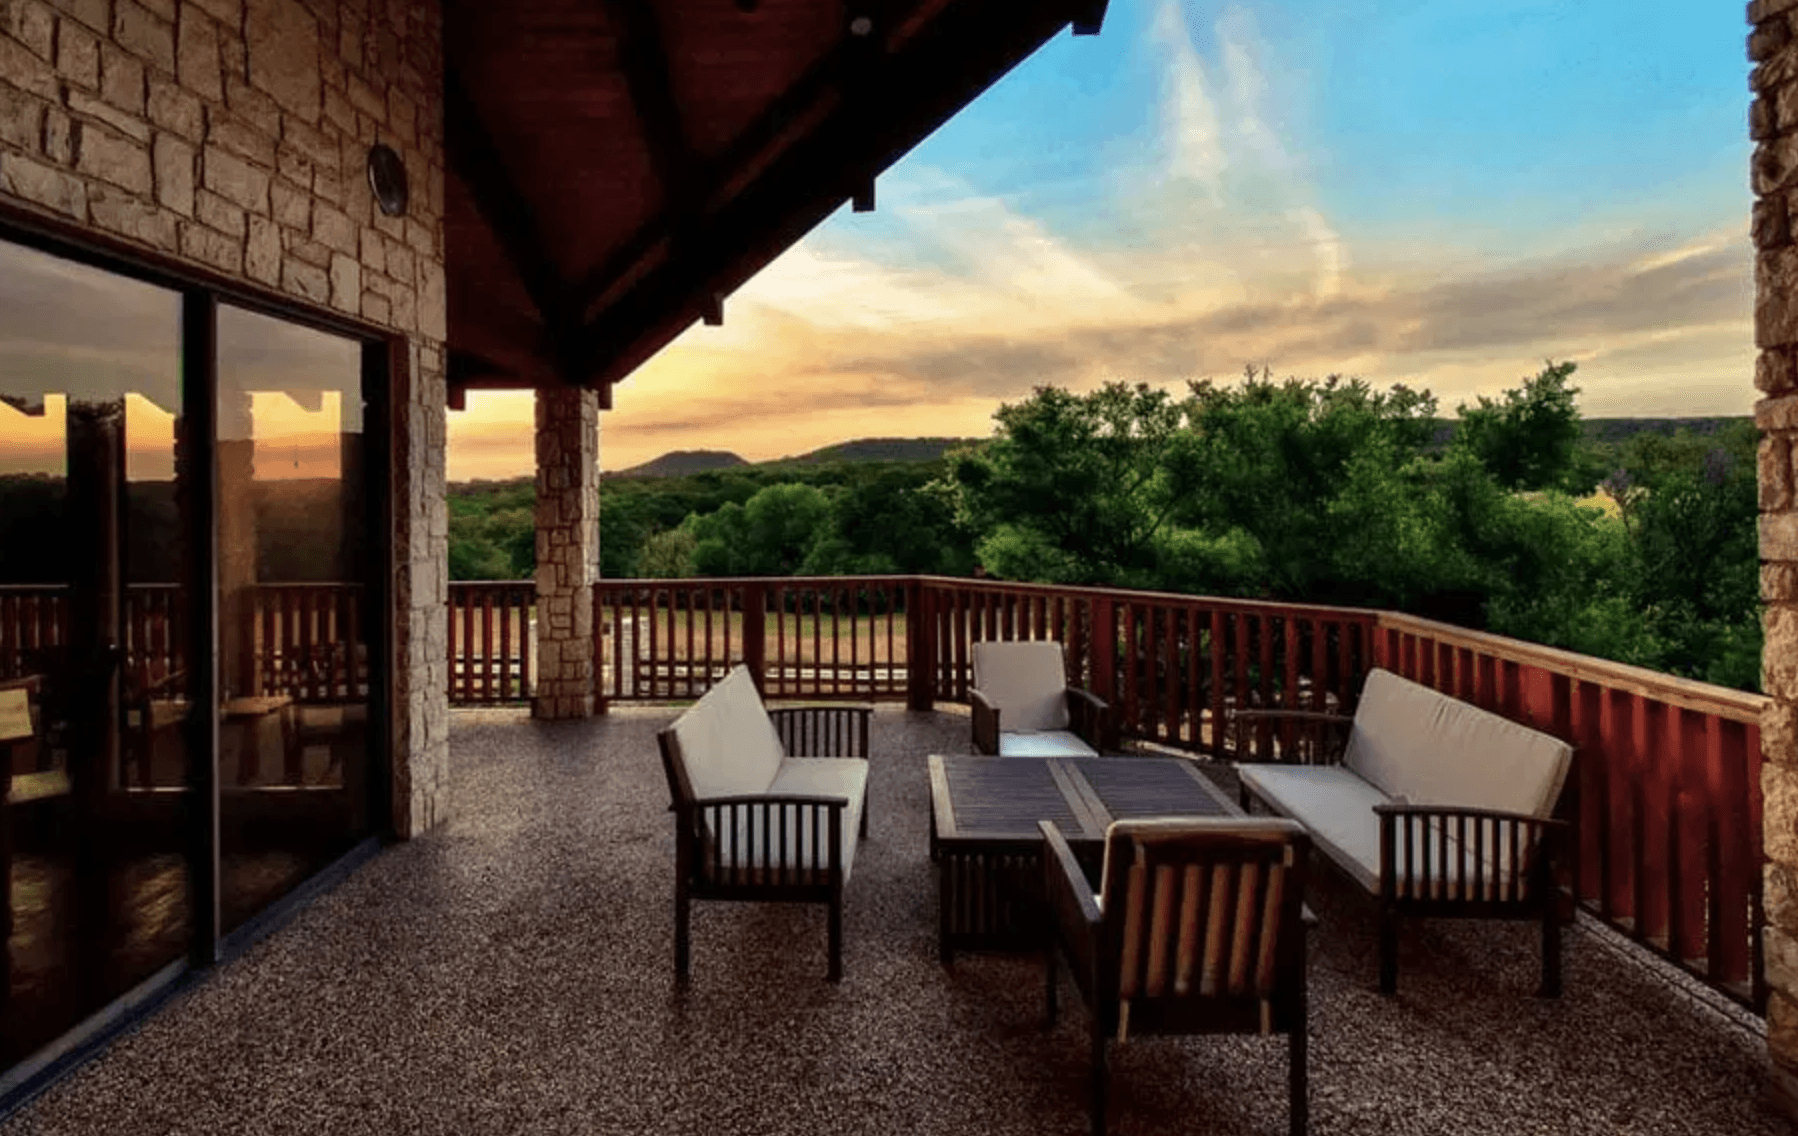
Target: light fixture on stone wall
387,178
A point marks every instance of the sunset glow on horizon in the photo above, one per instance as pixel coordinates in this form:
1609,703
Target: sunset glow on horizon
1440,198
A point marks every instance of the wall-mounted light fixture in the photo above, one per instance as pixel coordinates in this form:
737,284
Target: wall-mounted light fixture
387,178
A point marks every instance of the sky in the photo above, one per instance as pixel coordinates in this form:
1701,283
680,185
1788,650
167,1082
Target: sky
1440,195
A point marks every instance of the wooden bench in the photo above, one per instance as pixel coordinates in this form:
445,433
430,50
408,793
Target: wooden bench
767,804
1437,807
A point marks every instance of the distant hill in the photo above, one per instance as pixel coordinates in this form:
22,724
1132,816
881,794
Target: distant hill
680,463
1612,430
880,449
1617,429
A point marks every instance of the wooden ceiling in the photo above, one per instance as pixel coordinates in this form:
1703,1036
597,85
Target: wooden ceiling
618,167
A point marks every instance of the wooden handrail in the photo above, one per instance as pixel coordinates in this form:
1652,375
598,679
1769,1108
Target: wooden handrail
1688,694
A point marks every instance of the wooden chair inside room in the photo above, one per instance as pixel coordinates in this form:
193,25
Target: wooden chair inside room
1198,928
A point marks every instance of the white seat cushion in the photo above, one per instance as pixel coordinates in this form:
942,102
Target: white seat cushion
1043,743
802,776
1026,682
1414,742
1334,804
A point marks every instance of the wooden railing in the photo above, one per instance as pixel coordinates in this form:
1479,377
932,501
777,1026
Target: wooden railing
826,637
1173,667
492,641
1666,784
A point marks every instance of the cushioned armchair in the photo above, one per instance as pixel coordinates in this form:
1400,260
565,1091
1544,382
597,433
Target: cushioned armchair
1198,927
1024,707
767,804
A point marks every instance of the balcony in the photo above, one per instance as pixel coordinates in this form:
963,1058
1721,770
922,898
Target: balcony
511,971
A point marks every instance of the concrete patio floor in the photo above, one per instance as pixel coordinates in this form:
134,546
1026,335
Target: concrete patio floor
511,972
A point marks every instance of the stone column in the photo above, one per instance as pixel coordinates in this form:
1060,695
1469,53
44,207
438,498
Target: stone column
420,651
567,550
1773,123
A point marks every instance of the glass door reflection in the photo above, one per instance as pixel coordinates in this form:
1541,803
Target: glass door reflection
293,598
93,633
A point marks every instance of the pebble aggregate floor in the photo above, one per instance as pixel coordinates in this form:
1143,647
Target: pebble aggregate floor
511,972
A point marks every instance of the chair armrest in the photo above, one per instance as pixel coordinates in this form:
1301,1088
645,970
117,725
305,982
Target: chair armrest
823,731
1413,840
1072,907
986,722
1319,737
1090,717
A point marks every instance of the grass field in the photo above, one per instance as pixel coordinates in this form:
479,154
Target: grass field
807,638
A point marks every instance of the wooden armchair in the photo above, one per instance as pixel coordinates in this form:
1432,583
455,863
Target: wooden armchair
1198,927
1024,707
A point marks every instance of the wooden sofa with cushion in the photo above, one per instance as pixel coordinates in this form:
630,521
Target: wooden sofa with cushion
1436,806
768,804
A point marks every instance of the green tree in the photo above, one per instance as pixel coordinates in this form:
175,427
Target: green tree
667,555
1319,478
1530,437
1073,488
888,523
770,535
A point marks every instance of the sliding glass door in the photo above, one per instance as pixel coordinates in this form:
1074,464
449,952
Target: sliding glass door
93,641
192,598
293,612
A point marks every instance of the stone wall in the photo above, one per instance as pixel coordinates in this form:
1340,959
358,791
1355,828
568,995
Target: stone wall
1773,123
567,550
233,134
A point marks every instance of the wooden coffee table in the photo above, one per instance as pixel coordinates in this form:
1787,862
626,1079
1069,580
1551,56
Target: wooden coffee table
984,836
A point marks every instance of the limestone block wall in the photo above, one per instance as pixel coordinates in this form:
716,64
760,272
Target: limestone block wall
1773,124
567,550
233,134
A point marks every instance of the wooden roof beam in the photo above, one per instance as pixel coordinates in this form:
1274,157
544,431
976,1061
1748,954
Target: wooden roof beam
478,164
1089,17
643,56
791,117
882,119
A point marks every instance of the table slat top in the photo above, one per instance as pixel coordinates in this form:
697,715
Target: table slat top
982,799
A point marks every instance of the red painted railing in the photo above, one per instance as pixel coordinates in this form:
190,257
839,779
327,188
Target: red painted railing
492,641
814,638
1172,666
1666,785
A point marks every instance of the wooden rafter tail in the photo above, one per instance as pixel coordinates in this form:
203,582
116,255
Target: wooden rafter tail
711,309
478,164
1089,17
863,199
644,58
873,127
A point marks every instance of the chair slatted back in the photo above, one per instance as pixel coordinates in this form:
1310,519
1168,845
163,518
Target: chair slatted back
1203,908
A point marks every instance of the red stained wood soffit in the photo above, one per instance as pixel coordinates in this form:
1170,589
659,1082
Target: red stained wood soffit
618,167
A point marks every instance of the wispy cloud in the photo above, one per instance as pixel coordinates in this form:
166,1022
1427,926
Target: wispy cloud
1216,251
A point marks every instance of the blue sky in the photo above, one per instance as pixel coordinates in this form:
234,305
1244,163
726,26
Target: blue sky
1437,194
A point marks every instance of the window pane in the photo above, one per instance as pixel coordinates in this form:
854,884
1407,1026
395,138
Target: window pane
293,606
